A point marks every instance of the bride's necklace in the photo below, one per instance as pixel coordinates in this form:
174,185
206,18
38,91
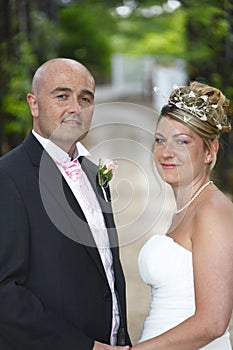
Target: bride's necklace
194,197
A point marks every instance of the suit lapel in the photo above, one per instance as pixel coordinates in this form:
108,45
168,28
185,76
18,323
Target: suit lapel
106,207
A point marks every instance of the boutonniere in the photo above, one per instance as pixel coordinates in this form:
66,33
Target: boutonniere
105,174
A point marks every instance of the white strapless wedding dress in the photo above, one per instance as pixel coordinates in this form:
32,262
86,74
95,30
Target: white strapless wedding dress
167,267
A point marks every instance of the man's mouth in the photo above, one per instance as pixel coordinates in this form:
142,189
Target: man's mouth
71,122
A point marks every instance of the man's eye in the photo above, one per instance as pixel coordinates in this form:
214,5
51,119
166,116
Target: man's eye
62,97
85,100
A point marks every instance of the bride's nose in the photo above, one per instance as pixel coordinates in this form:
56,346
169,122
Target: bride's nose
168,150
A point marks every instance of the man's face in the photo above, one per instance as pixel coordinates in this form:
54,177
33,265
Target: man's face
63,104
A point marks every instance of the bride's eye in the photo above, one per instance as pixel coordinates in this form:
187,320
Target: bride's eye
182,142
159,140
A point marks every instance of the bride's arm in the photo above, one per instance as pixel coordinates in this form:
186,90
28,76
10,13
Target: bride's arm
212,241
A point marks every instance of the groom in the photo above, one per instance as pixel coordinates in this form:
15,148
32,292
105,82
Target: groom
61,281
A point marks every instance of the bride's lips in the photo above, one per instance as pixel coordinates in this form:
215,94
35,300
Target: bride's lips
168,166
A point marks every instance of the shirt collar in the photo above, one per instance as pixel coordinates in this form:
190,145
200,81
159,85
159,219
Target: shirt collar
57,153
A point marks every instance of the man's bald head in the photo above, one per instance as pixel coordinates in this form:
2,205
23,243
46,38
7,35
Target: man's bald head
53,66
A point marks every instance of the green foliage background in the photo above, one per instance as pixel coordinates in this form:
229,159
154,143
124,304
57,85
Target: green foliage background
200,32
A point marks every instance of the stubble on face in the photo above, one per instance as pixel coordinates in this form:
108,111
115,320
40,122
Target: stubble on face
59,120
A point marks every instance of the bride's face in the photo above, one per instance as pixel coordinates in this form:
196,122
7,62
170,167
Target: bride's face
179,153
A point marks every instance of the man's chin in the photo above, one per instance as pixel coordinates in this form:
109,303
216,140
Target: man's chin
66,140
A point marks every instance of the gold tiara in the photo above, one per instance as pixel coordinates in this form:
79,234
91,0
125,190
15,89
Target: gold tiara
197,106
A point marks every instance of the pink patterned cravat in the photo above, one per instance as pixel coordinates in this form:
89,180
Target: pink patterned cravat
72,168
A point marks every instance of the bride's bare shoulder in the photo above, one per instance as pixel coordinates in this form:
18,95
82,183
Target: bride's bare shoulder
215,211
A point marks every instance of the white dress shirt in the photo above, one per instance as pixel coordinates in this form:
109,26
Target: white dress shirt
89,204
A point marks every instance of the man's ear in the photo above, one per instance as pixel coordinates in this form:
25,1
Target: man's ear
32,101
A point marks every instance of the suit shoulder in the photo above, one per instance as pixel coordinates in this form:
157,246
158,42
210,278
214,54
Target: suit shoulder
11,157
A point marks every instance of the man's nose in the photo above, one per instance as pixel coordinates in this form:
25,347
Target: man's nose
74,106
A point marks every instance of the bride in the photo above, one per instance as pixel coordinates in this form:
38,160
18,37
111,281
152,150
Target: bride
190,269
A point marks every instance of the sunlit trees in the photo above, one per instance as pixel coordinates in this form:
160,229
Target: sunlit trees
33,31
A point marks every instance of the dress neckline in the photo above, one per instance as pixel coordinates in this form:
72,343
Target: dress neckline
179,245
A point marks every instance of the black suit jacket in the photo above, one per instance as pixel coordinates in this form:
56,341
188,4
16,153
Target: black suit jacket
54,294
